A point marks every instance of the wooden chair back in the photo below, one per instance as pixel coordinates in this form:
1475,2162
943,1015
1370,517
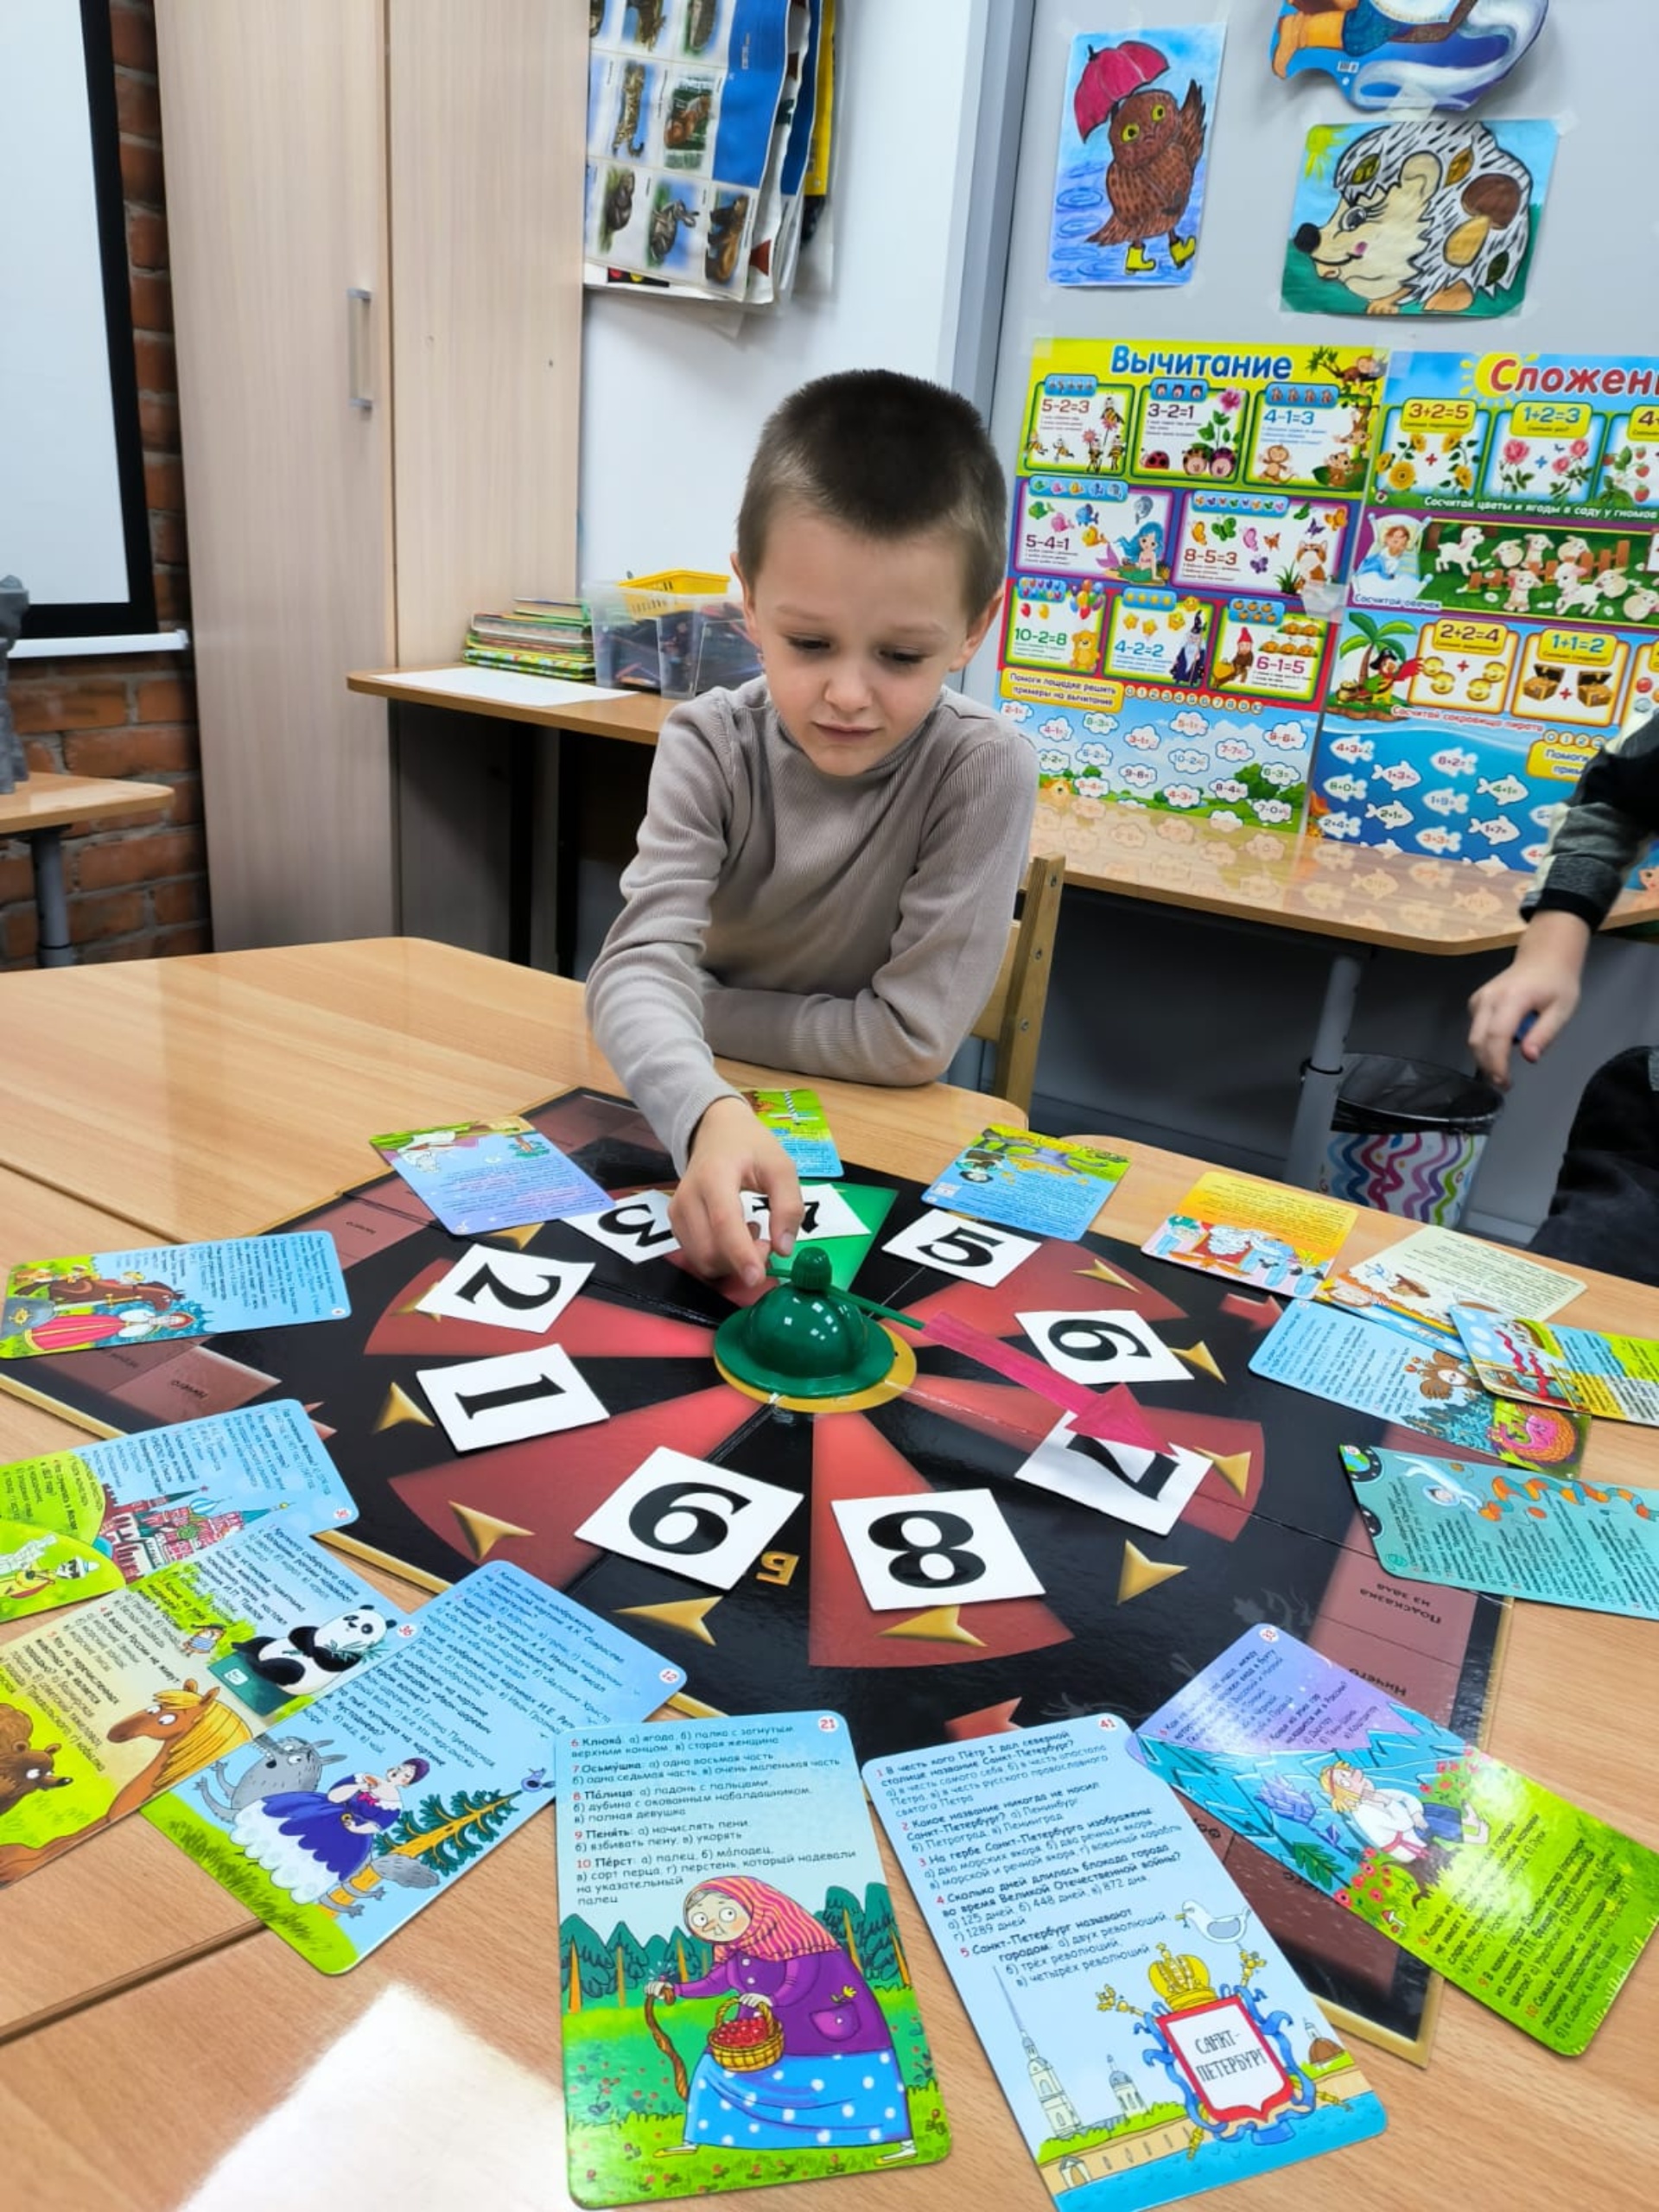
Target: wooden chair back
1012,1016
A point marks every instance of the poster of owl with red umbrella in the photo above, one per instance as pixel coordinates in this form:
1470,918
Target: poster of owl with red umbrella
1133,157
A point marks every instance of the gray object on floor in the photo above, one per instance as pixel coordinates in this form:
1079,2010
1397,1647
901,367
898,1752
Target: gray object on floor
14,605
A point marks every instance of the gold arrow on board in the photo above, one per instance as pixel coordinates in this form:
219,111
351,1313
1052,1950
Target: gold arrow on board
689,1614
941,1624
1201,1357
1099,1272
521,1236
1233,1467
1139,1573
400,1407
483,1531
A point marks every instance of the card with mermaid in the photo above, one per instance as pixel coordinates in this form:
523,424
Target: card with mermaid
737,2006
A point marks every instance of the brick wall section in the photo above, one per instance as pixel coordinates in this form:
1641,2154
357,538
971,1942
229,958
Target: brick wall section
139,891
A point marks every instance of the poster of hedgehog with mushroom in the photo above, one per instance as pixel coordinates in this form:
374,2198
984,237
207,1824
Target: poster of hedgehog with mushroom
1133,157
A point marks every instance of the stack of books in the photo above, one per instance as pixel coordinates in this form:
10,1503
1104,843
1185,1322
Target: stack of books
539,637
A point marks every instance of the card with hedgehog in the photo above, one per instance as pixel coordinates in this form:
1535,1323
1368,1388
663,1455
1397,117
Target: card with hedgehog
1431,215
1133,157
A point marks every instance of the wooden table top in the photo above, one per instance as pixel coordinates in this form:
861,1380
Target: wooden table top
53,801
243,1085
1277,877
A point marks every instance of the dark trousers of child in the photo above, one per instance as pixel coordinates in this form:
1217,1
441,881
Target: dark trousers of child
1605,1211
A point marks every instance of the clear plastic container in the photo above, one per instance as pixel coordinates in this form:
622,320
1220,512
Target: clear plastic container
678,632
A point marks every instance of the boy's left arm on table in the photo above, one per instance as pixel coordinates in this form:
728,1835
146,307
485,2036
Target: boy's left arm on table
905,1026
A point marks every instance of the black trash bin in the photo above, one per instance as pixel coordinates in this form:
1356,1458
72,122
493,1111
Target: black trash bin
1407,1136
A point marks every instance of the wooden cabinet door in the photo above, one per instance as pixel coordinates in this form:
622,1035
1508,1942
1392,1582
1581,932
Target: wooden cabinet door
274,132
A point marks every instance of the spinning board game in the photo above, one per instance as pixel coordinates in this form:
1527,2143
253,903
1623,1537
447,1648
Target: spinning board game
1123,1618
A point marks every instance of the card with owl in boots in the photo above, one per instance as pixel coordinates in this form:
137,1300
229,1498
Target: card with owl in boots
1133,157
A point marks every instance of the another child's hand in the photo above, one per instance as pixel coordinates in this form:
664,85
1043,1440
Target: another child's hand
1542,982
732,1152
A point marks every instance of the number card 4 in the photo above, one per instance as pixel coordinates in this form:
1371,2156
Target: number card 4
1102,1347
971,1250
503,1401
708,1524
956,1546
514,1290
1149,1489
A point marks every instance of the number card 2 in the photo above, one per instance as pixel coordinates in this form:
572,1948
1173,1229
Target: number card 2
971,1250
503,1401
956,1546
636,1227
513,1290
708,1524
1102,1347
1149,1489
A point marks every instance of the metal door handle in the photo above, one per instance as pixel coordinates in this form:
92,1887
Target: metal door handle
356,343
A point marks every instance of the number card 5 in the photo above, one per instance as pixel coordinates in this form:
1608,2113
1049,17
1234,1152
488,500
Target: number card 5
956,1546
708,1524
969,1249
514,1290
1102,1347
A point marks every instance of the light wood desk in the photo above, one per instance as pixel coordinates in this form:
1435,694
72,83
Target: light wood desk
430,2074
39,811
1360,900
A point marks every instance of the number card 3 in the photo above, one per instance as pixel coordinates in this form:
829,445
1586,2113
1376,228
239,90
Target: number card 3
971,1250
514,1290
708,1524
636,1227
956,1546
504,1401
1149,1489
1102,1347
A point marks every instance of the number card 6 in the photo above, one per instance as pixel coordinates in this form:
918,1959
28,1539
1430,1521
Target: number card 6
708,1524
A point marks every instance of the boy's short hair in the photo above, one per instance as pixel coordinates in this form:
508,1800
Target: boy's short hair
887,455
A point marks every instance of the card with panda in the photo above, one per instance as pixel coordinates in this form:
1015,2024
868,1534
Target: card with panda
121,1700
339,1830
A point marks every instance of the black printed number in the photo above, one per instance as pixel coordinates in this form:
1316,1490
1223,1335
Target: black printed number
522,1301
685,1518
935,1560
1149,1481
1106,1341
962,1247
515,1394
626,1223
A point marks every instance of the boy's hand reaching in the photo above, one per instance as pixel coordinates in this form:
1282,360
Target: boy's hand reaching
732,1152
1539,988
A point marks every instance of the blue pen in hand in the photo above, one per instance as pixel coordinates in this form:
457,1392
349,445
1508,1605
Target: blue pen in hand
1528,1023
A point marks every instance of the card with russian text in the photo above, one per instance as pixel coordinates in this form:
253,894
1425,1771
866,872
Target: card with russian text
156,1292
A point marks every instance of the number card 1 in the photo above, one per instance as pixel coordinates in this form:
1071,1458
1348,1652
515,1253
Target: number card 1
503,1401
955,1546
513,1290
971,1250
708,1524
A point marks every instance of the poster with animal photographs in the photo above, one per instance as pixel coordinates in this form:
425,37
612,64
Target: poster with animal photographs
1505,605
1132,159
1182,517
1432,215
699,115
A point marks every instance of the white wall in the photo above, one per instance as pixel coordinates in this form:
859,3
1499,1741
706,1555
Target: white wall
1157,1024
674,392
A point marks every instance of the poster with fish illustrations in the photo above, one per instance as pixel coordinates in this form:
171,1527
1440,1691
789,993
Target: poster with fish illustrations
1504,614
1184,518
1133,157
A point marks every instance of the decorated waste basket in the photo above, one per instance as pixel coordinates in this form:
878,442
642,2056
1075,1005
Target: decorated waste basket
1407,1136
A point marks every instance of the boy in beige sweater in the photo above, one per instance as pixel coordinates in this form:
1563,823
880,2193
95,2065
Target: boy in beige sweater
829,856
